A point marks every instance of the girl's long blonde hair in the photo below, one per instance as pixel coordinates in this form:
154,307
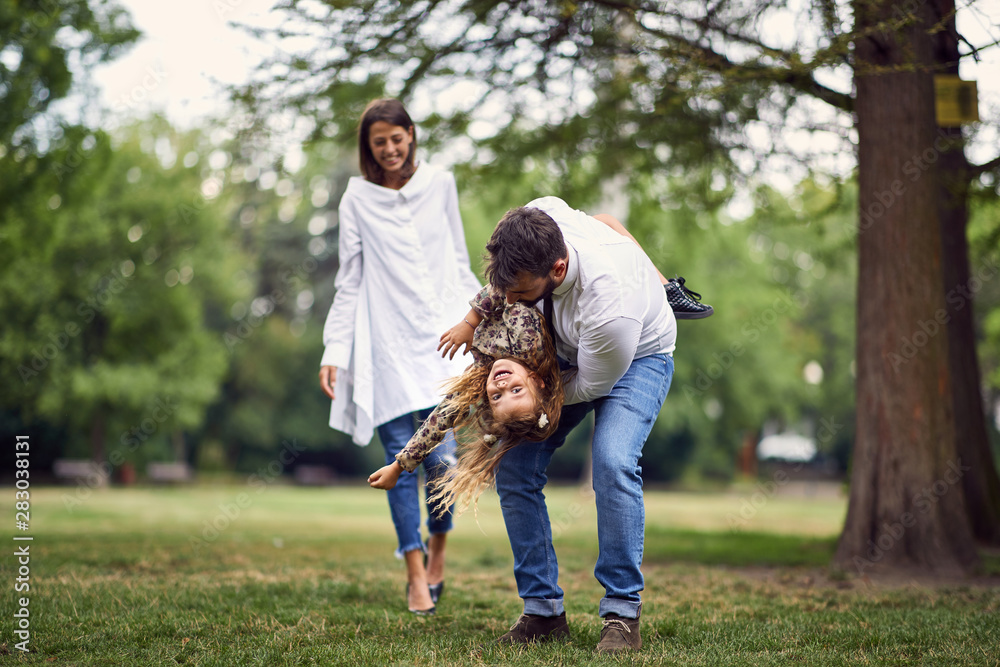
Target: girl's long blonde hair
482,440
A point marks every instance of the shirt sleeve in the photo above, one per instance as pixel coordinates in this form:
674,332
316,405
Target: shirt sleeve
524,326
428,436
605,354
338,332
486,302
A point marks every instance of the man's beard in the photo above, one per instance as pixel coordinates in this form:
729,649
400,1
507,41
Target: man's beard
550,287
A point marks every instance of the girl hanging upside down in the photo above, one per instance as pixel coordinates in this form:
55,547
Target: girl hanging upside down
510,393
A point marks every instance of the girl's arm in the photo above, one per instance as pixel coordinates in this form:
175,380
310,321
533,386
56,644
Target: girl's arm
428,436
386,477
459,335
484,303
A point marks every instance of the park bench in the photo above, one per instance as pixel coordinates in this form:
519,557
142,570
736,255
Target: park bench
314,475
75,471
169,473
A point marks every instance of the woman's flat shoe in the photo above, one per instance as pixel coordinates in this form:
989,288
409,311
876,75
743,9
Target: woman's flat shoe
436,591
420,612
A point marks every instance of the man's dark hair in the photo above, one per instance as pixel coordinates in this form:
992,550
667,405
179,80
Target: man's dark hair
525,239
393,112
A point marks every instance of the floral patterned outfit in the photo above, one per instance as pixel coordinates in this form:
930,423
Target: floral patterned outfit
506,332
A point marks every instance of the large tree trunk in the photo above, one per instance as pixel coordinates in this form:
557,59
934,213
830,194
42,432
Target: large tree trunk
906,508
981,484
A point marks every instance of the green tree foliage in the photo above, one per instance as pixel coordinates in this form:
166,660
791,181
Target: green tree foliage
113,257
40,43
984,283
284,214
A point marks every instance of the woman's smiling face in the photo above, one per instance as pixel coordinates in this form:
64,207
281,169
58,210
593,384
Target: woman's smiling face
390,145
512,389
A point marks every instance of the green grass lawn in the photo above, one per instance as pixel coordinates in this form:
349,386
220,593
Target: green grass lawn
307,576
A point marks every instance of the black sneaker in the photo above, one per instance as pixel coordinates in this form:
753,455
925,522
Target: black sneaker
685,303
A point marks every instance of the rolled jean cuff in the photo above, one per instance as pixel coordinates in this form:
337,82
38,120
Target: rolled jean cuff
624,608
543,607
419,546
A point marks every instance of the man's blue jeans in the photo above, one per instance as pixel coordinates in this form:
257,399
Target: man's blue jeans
404,498
622,422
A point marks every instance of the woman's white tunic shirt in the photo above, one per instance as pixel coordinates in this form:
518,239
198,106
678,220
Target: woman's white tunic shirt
404,279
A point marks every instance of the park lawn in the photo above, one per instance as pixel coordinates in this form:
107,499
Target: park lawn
274,575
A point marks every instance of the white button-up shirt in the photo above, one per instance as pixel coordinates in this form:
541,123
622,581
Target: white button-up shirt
610,310
404,279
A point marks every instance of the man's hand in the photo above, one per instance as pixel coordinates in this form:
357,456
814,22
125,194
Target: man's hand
385,477
328,380
456,337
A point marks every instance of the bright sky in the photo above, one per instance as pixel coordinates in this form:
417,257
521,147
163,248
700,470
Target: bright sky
188,50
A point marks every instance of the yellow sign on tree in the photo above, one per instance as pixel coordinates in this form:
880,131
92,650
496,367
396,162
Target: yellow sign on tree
956,101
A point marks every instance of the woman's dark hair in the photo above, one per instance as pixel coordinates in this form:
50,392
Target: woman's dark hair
393,112
525,239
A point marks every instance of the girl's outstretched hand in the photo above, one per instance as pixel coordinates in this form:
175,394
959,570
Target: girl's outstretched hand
385,477
454,338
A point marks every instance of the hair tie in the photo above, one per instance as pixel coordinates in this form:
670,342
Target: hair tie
489,438
543,421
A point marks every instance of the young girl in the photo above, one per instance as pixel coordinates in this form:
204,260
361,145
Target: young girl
403,258
511,392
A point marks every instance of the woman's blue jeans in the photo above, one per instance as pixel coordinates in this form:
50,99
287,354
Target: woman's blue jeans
404,498
622,421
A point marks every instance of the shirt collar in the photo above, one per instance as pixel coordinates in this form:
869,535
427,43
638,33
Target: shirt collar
572,271
413,188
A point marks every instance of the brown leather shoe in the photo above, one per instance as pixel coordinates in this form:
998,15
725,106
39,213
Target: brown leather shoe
619,635
531,628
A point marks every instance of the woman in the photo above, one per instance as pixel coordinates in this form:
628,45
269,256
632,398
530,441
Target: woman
404,277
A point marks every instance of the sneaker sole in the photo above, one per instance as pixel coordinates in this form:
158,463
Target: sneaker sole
694,316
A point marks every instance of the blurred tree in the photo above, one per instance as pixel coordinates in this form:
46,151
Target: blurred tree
39,44
582,80
113,256
282,207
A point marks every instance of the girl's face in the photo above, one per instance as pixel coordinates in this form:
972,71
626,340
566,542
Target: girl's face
512,389
390,144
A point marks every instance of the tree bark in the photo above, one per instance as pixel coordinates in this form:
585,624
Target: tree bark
904,512
981,484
